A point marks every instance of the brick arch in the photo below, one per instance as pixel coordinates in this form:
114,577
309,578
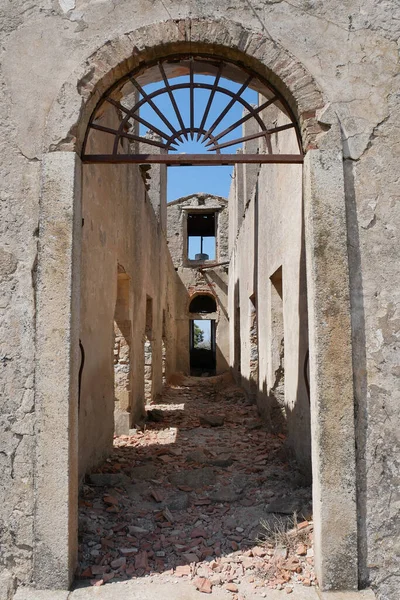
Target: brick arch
198,293
70,113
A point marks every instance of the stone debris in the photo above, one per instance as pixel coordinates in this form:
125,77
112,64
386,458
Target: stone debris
184,499
211,420
203,585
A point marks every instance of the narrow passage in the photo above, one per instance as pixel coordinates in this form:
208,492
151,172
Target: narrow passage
185,498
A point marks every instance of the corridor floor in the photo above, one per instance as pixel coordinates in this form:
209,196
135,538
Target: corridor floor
185,501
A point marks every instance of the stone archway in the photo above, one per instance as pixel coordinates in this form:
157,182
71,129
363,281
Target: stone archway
331,379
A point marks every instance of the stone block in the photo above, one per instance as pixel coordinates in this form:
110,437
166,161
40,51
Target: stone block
30,594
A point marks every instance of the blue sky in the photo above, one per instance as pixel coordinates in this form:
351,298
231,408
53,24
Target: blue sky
208,246
183,181
205,326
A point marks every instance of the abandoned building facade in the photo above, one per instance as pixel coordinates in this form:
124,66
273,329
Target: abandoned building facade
295,271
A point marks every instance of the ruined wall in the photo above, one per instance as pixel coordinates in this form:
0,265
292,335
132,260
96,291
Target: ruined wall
352,53
269,278
193,281
120,234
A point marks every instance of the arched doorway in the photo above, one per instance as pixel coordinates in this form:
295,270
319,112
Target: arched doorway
330,341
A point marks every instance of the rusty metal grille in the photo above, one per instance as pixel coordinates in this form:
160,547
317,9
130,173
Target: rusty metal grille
129,136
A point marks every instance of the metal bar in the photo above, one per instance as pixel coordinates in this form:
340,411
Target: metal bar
228,107
194,159
253,136
137,118
148,99
191,100
171,96
211,98
203,86
170,140
129,136
220,264
243,120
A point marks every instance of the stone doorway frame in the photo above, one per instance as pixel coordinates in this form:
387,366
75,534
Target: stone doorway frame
58,290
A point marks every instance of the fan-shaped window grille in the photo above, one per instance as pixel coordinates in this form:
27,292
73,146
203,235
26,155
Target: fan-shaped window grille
150,114
203,304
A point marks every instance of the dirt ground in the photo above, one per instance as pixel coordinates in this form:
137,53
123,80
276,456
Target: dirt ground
190,496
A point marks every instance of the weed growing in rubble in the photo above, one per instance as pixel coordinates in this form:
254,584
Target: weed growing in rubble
285,533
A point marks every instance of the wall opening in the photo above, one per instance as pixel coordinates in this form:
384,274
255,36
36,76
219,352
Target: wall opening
148,352
253,383
202,347
237,344
201,236
164,350
122,356
276,383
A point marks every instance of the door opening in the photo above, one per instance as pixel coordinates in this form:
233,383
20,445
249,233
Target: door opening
202,347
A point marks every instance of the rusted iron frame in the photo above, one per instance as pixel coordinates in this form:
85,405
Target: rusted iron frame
212,266
171,96
211,98
218,63
149,99
252,136
235,98
194,159
242,120
191,87
129,136
179,86
185,131
139,119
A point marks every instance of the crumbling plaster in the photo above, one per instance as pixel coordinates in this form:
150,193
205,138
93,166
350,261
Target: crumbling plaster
353,55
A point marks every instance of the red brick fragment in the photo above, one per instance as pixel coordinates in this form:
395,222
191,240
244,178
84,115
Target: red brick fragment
203,585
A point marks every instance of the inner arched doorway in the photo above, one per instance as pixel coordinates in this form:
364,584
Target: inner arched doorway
330,348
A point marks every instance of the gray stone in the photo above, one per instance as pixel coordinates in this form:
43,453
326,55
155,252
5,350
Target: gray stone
195,479
197,456
24,593
8,264
225,460
144,472
225,494
284,506
178,501
212,420
107,479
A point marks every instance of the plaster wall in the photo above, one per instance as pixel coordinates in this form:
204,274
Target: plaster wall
352,54
271,238
120,233
192,281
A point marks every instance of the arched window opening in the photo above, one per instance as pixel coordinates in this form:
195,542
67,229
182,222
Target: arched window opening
202,304
187,103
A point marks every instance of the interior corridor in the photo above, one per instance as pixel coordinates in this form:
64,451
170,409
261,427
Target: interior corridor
184,498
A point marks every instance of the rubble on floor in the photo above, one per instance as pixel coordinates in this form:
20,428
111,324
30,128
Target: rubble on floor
203,493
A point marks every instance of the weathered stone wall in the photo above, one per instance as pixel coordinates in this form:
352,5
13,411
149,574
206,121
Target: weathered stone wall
192,281
351,50
271,239
120,232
